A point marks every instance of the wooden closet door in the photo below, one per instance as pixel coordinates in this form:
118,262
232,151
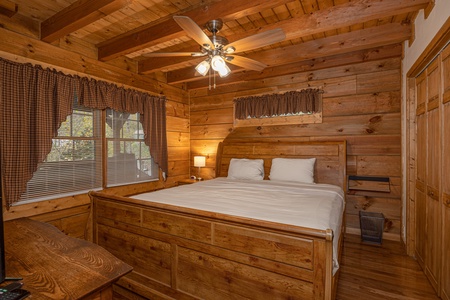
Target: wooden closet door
421,167
433,205
445,288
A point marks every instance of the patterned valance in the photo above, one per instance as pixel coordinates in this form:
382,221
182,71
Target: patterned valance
290,103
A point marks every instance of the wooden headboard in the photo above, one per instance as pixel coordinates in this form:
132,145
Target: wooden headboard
331,157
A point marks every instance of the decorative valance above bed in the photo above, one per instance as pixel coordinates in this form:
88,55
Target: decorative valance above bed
294,107
290,103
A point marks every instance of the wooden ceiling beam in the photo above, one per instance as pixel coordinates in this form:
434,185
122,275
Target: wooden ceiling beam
153,34
8,8
339,44
339,16
78,15
153,64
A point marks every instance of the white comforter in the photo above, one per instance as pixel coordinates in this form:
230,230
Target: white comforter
318,206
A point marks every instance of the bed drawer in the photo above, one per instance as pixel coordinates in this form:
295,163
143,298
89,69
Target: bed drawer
115,211
180,226
293,251
211,277
149,257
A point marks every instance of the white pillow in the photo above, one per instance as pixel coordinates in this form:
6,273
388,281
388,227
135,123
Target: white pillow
292,169
243,168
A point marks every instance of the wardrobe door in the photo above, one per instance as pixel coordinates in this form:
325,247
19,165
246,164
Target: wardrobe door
445,280
421,164
433,204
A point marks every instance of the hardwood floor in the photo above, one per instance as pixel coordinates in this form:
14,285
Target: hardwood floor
380,272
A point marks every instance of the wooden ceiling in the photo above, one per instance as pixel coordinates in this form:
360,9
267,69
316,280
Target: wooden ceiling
119,32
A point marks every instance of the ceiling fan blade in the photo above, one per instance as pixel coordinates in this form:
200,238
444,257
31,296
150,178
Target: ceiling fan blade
173,54
246,63
257,41
194,31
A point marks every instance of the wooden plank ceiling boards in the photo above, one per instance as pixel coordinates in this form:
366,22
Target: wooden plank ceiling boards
125,30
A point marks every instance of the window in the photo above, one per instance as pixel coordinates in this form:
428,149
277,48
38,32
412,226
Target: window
74,164
129,159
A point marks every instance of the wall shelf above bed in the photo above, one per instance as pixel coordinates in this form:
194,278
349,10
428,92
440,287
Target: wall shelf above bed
369,183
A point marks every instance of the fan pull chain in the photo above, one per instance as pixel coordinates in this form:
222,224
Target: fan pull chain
209,78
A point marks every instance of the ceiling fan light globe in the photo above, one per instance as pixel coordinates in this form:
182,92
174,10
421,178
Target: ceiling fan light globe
217,63
230,50
224,71
203,68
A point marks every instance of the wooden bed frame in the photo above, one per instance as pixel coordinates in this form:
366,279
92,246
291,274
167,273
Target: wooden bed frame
182,253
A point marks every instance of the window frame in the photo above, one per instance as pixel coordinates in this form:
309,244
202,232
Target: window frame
99,116
154,166
60,166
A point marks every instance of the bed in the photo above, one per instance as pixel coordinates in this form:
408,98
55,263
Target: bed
183,246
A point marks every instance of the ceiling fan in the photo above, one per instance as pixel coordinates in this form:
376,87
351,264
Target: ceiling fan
218,50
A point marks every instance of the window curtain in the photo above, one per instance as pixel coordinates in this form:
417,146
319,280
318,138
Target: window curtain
290,103
35,101
152,109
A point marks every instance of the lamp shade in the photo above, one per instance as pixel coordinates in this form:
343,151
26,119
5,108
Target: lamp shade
224,71
199,161
217,63
203,67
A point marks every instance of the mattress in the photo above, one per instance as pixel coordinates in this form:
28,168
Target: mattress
318,206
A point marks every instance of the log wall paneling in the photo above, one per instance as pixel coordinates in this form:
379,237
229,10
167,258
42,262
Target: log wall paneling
361,104
69,214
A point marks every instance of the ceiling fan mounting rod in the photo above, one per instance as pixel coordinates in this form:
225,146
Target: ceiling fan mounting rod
214,26
219,41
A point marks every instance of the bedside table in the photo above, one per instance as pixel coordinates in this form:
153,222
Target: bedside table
187,181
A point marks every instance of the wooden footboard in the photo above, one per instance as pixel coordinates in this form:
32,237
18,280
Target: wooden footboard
180,253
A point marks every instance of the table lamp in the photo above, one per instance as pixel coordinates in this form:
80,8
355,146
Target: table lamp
199,161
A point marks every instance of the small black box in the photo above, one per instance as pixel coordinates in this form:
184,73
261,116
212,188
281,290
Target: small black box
372,226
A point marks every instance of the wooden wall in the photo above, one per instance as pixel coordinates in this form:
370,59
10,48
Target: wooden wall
71,214
361,104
